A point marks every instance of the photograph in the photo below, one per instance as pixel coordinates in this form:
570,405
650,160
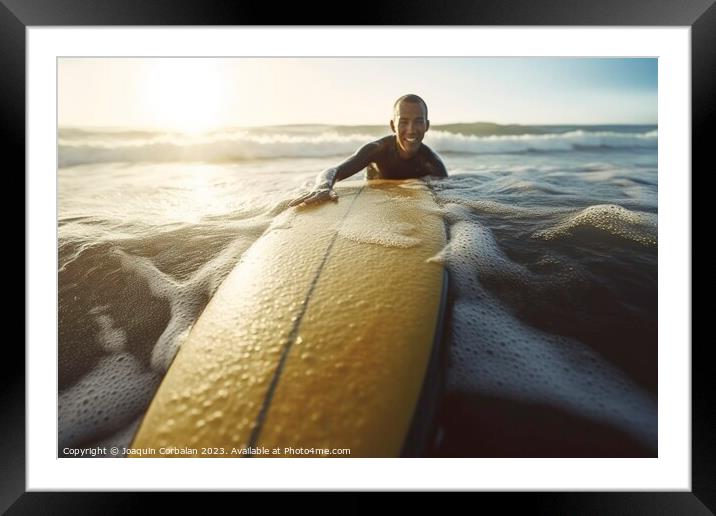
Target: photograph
351,257
450,250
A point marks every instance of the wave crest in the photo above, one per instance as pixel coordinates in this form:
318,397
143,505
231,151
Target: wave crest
78,147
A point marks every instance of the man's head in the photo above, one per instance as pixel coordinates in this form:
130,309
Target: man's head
410,123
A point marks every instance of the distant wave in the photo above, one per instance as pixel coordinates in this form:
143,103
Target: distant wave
78,147
579,139
215,148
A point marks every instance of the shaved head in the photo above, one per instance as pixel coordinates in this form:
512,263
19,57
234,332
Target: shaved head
413,99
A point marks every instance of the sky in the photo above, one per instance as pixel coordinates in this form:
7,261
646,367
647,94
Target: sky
197,94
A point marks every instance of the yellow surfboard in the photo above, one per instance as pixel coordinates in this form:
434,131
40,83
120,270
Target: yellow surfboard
319,341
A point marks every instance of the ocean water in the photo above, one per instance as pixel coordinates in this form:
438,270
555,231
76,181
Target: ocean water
552,254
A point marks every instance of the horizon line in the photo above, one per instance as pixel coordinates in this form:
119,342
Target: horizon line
307,124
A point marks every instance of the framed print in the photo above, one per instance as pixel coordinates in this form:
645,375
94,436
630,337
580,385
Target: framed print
560,332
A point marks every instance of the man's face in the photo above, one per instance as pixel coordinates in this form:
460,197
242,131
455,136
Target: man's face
409,124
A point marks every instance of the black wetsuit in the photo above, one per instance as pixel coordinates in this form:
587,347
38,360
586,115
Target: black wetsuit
383,162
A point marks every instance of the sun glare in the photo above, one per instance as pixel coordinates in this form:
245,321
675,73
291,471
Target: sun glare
187,95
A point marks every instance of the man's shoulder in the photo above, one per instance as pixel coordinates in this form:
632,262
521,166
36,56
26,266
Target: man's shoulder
384,141
377,145
428,152
433,161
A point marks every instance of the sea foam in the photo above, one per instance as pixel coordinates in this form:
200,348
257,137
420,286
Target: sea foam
494,352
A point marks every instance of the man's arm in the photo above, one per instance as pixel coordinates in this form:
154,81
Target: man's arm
323,187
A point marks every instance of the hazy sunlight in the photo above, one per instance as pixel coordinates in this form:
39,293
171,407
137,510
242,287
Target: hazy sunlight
186,95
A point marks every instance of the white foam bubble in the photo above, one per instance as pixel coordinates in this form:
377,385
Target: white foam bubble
635,226
114,393
111,338
186,298
494,352
498,208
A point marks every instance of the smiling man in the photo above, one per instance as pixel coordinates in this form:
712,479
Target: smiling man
401,155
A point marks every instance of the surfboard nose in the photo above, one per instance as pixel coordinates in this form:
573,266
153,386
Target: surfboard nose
321,346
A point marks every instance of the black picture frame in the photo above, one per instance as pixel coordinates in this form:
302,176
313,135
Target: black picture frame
700,15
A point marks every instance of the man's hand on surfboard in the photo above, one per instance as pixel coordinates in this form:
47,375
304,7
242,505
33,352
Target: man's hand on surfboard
316,195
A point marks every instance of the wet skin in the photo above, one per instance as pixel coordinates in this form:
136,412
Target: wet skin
409,124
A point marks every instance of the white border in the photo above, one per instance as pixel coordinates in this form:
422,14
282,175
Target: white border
671,471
